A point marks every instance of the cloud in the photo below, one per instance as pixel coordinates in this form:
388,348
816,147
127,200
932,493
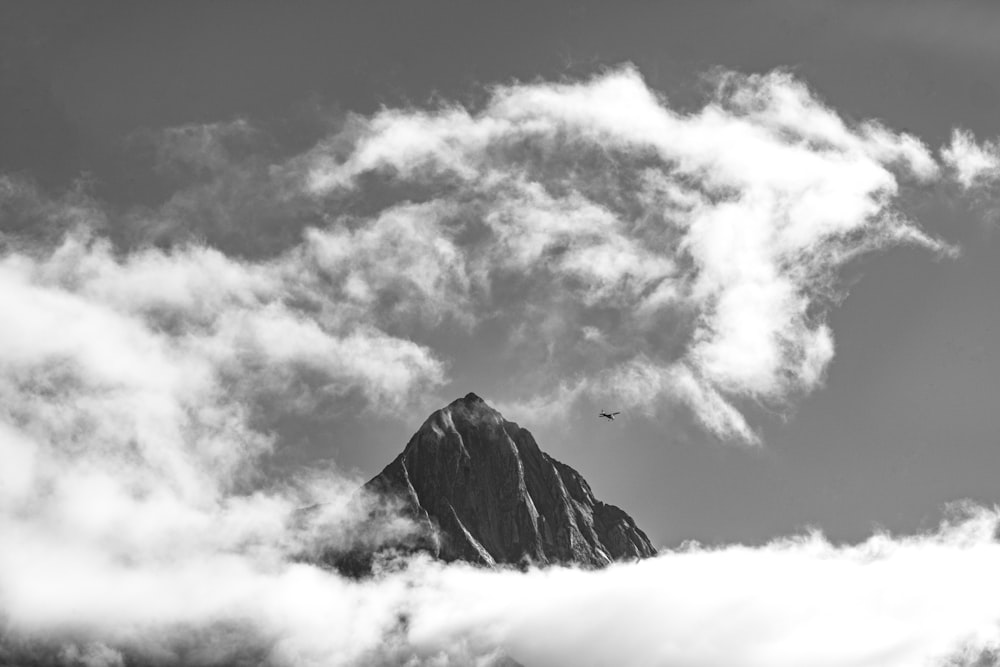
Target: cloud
227,184
616,245
201,147
927,599
887,601
400,264
132,418
130,428
973,164
616,215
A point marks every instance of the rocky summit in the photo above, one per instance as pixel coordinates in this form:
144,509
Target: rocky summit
492,496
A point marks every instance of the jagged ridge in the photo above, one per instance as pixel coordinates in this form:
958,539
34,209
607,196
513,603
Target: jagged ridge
495,497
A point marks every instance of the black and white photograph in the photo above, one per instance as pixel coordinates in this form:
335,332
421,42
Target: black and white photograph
429,333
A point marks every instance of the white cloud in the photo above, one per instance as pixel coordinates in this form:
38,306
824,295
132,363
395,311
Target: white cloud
676,258
737,218
128,391
196,312
803,601
926,599
706,243
972,163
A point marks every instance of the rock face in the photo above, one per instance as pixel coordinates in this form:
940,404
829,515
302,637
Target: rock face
495,497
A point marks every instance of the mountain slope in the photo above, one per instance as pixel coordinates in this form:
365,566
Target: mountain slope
495,497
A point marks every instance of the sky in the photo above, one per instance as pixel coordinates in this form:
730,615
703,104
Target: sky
245,250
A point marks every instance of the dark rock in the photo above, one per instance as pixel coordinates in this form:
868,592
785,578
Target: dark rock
492,496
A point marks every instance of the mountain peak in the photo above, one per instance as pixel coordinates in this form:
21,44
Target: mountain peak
471,397
492,496
470,406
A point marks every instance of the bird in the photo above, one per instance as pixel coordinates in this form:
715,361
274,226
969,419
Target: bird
610,416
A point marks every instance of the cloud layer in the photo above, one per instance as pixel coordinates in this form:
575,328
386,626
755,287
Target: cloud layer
927,600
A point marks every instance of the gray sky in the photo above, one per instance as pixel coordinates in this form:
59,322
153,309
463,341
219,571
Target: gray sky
905,420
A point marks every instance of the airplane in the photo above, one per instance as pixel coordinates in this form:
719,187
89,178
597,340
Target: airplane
610,416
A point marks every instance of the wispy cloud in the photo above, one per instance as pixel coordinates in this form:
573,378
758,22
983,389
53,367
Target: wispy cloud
973,164
626,248
732,221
